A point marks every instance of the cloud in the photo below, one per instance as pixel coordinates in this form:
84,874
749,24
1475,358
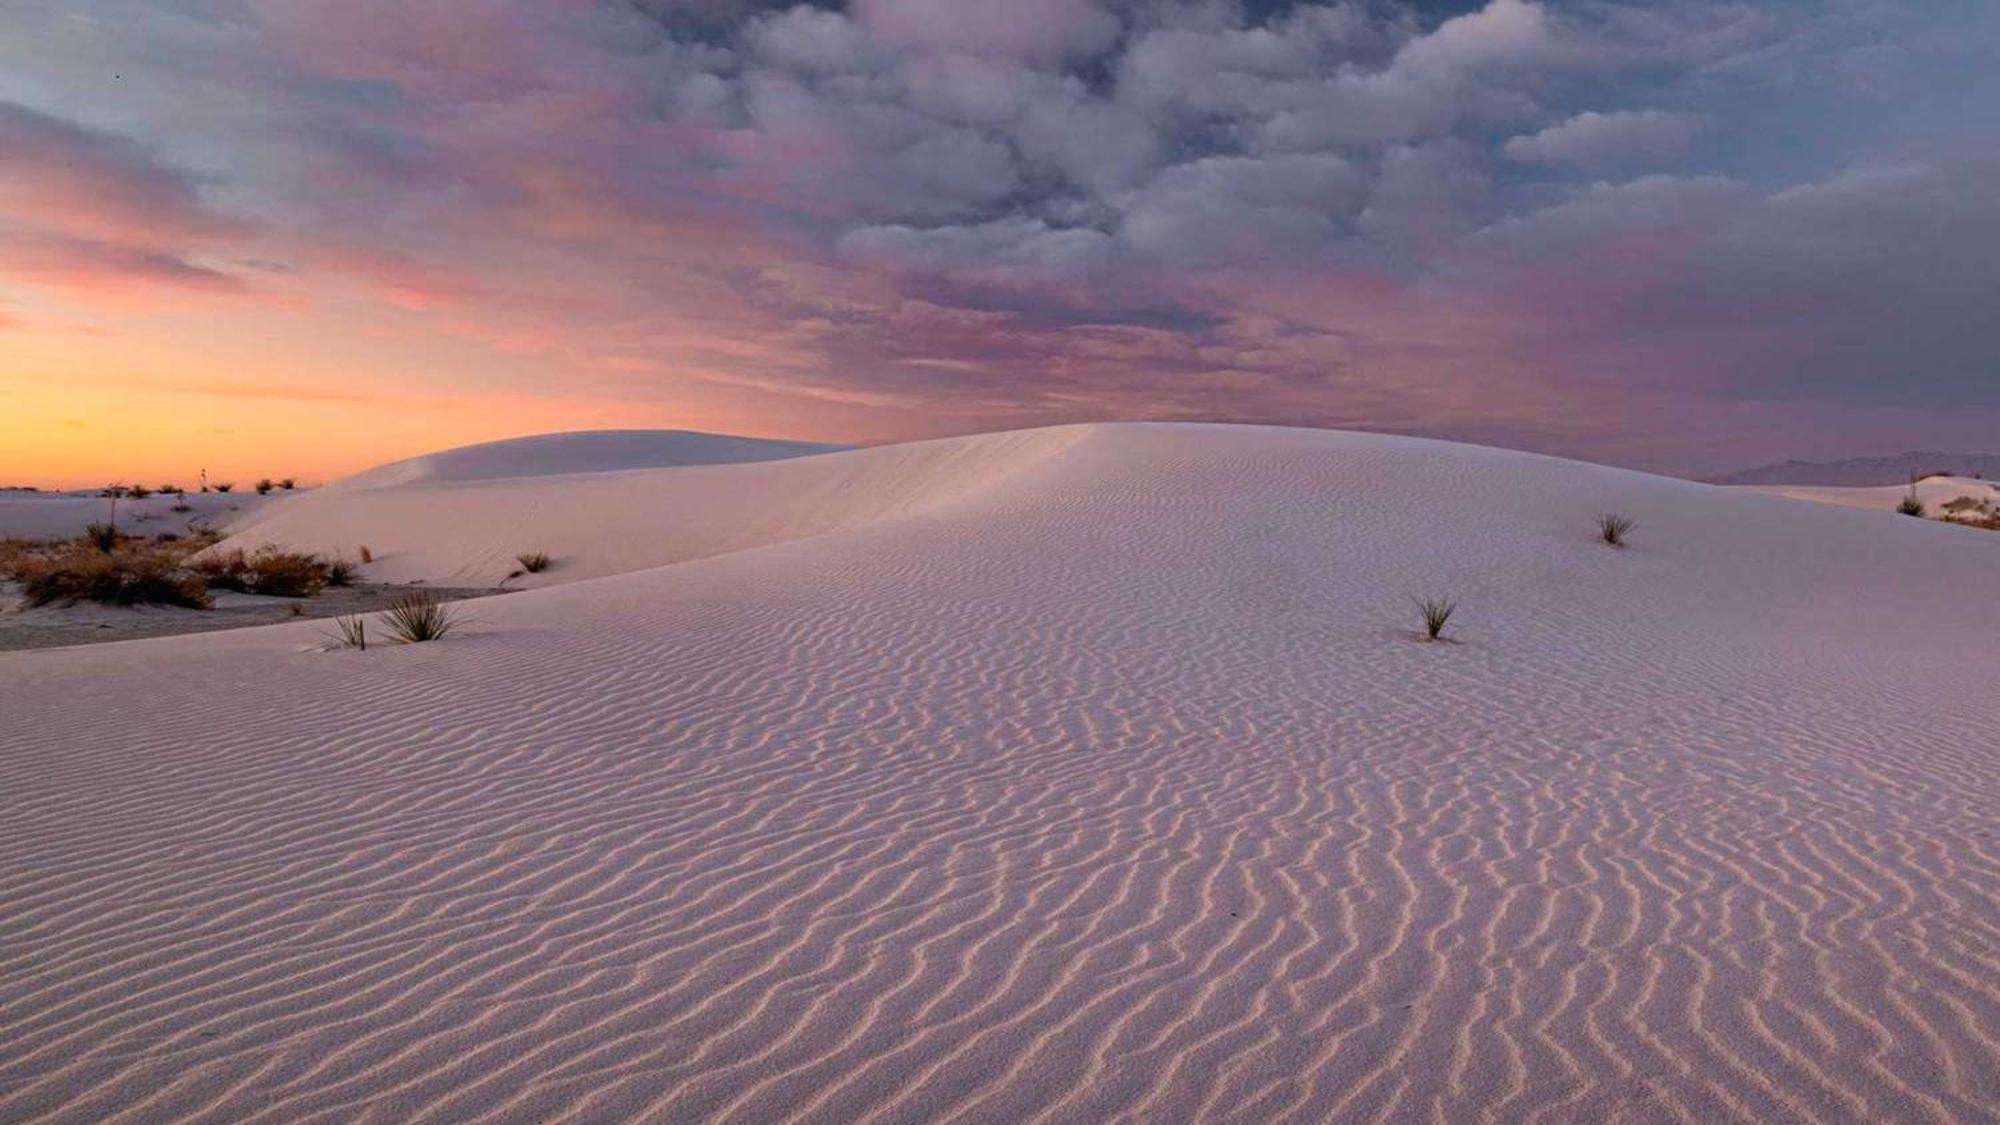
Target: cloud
1594,141
91,211
999,212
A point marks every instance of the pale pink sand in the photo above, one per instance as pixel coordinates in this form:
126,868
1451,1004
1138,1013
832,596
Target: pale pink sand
1932,492
1072,775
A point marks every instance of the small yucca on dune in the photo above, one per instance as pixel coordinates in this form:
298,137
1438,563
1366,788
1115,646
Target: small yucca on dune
103,536
534,562
419,616
351,632
1436,612
1613,528
1910,505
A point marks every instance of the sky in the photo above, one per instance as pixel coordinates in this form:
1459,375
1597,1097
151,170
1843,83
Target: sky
297,238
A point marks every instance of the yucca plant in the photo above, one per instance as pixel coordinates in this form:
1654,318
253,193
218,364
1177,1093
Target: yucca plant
351,632
1910,505
534,563
419,616
1613,528
1436,612
339,572
103,536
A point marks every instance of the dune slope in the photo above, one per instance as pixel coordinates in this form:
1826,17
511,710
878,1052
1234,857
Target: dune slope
1098,776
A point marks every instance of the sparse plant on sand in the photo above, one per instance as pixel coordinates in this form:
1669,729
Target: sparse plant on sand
288,483
367,556
1910,505
351,632
82,573
264,487
339,572
224,486
181,502
1436,612
103,536
138,492
1613,528
419,616
271,571
534,563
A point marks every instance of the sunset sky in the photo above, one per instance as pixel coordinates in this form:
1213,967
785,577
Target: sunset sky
294,237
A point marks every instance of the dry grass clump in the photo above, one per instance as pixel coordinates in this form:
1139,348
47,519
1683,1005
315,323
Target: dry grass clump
1613,528
288,483
264,487
103,536
271,571
419,616
351,632
1436,612
534,563
224,486
141,574
1910,505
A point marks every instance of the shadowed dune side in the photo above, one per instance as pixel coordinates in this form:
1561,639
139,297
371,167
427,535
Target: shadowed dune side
1112,785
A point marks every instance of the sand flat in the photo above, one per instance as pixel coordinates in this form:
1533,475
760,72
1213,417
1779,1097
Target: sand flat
1081,774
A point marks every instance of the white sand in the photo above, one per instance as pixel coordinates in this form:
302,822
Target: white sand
59,515
1071,775
1933,492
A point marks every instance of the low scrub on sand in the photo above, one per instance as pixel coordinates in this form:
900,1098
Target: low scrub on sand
351,632
271,571
103,536
1613,528
140,574
419,616
1910,505
534,562
1436,612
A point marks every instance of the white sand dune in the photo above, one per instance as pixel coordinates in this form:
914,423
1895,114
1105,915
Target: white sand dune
1933,492
57,515
1079,774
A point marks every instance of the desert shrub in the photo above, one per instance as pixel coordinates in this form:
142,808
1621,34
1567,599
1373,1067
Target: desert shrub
533,563
1436,611
288,484
1963,504
138,492
103,536
224,486
167,537
1910,505
419,616
1613,528
339,572
351,632
263,487
367,556
271,571
83,574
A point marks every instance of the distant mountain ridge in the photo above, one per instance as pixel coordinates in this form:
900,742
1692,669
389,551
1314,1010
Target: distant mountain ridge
1861,472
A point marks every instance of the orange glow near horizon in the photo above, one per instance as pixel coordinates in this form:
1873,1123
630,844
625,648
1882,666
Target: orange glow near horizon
245,396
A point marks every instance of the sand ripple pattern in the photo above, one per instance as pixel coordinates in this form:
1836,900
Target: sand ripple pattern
1117,794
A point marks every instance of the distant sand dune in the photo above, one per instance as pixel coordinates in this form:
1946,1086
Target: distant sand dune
1079,774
